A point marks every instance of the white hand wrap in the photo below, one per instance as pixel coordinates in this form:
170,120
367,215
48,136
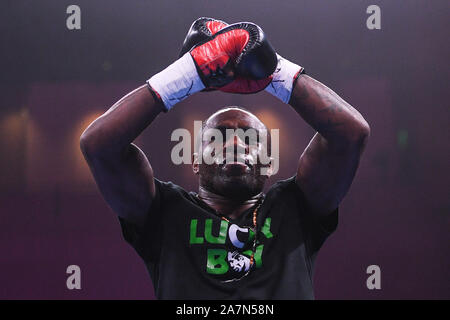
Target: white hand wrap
283,79
177,82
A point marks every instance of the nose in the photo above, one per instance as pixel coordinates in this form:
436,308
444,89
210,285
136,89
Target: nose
235,142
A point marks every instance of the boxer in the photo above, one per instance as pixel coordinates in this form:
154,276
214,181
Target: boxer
228,240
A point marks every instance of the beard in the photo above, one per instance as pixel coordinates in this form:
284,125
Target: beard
234,183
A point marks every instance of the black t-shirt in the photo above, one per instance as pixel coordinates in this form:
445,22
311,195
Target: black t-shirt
193,253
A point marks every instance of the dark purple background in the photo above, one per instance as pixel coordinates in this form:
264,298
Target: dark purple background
53,82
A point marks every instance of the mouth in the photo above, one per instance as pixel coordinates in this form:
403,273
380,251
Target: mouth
241,160
238,166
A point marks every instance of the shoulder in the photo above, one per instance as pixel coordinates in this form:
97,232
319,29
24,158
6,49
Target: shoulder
169,187
168,191
284,187
285,195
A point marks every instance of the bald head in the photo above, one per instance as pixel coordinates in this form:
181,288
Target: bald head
233,141
234,117
234,114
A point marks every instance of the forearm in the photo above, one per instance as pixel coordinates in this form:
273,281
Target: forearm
121,124
336,120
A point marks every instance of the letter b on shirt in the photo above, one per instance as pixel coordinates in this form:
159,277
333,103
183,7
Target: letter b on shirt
216,261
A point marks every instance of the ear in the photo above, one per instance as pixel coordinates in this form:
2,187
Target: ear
195,164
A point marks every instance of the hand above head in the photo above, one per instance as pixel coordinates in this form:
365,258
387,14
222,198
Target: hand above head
213,59
279,83
252,65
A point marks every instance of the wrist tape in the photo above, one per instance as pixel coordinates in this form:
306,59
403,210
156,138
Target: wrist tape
176,82
284,77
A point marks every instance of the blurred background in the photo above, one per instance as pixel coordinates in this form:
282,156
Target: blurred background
55,81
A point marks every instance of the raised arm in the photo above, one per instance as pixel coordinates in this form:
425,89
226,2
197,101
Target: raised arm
327,166
121,170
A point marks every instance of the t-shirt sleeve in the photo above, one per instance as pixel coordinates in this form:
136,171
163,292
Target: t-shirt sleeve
322,228
146,239
317,228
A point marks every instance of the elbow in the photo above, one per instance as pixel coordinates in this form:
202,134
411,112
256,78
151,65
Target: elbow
88,143
361,134
93,144
364,130
356,136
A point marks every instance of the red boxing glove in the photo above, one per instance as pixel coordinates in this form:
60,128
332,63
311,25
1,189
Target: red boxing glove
254,58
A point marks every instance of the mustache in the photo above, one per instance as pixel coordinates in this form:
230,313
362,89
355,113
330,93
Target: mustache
235,158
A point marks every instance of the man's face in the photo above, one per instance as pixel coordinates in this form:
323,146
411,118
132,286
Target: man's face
234,166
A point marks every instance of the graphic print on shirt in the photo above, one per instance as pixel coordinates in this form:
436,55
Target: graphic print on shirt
229,246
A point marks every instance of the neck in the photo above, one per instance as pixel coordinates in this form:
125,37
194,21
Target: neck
231,208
